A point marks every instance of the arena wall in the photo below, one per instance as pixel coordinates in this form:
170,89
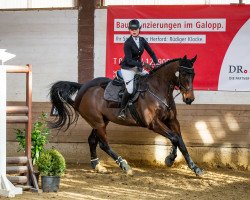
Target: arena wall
215,127
47,39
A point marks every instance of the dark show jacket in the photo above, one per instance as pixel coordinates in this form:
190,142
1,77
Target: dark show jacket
133,54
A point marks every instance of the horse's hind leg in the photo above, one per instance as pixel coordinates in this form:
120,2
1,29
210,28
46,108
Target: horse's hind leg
103,142
95,163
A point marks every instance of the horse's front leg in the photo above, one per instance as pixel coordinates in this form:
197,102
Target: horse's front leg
169,161
181,145
174,126
176,140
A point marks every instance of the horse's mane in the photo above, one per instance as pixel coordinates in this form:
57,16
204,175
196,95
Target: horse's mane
164,64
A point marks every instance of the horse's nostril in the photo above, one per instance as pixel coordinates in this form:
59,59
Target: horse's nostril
188,101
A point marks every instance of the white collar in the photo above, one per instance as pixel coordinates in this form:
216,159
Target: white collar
135,38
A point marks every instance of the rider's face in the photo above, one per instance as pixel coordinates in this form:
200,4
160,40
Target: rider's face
134,32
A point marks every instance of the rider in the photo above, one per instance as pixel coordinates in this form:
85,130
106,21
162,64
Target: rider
131,63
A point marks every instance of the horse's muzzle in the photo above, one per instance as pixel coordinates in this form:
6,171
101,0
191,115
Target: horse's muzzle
188,98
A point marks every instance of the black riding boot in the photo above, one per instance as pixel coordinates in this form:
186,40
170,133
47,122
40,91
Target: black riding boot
125,98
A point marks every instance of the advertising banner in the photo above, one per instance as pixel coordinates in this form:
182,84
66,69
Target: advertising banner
219,35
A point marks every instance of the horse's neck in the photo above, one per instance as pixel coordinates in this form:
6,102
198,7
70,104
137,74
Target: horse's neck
163,80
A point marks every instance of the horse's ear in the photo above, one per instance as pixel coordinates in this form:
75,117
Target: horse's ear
194,59
185,57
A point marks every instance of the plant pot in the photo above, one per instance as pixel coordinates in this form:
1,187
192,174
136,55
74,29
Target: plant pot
50,183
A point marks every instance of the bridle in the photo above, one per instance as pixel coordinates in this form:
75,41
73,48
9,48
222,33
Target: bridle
188,71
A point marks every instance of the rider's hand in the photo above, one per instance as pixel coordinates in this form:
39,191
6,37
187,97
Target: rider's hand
157,65
147,66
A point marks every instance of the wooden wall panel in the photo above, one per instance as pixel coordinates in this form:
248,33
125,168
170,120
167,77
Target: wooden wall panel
227,125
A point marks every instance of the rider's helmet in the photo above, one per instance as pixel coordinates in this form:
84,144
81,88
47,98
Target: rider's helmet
134,24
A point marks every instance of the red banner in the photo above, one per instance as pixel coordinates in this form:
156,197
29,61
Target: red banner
219,35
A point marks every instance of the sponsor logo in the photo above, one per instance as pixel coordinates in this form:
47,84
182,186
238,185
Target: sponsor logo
237,69
238,72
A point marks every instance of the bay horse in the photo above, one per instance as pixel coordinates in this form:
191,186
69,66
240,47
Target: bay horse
156,108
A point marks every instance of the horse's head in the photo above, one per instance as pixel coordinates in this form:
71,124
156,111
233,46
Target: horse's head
185,75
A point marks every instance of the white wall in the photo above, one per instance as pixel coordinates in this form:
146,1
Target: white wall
100,42
46,39
202,97
9,4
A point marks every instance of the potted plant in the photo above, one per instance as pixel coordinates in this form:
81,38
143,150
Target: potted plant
51,165
39,138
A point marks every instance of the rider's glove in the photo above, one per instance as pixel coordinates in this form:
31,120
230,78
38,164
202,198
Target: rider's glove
147,66
157,65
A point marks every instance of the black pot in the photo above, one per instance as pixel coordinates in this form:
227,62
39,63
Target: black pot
50,183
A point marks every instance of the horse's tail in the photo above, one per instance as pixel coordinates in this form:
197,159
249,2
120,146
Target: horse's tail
61,94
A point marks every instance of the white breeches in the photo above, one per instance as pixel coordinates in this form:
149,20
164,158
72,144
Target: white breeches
128,76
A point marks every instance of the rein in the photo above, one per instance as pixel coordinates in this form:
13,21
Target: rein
158,98
163,102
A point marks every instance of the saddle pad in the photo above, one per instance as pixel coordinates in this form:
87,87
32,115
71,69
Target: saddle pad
114,93
111,92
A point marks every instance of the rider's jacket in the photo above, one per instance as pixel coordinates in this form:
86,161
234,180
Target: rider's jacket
133,54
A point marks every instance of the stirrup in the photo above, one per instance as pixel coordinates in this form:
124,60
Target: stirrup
122,115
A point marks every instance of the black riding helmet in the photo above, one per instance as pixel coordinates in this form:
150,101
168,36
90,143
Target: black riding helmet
134,24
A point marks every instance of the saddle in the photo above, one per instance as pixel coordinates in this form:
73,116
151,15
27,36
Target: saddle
115,89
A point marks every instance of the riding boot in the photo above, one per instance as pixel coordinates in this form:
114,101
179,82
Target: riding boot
125,98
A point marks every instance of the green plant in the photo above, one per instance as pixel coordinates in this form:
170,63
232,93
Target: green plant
51,163
39,137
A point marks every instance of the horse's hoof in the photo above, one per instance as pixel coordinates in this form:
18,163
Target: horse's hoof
99,168
199,172
169,161
130,172
124,165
